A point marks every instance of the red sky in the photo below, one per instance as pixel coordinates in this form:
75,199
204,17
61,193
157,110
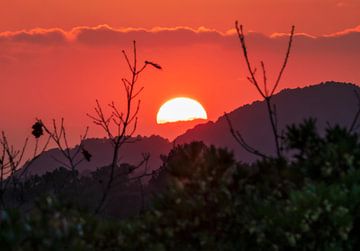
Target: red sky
57,57
312,16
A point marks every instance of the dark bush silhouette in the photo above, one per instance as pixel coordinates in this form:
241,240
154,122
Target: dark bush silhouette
309,202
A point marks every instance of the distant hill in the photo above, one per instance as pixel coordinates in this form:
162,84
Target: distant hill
101,150
329,102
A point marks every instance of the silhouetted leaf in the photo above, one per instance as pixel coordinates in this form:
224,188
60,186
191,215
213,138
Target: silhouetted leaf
157,66
86,154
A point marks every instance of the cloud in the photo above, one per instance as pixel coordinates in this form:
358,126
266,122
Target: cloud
105,36
158,36
345,32
298,34
35,36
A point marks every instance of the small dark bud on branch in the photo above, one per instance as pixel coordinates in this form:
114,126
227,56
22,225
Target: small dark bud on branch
37,129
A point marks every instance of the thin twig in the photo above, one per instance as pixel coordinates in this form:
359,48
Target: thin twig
240,140
357,114
264,93
285,60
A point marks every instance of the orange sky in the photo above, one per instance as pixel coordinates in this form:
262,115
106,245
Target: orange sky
59,70
311,16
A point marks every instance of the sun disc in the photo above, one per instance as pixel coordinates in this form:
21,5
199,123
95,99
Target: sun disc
180,109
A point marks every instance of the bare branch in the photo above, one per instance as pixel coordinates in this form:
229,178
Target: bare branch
265,92
127,60
285,60
240,140
265,78
59,136
240,32
357,114
61,162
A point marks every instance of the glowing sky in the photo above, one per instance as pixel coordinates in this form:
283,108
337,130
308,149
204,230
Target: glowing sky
57,57
312,16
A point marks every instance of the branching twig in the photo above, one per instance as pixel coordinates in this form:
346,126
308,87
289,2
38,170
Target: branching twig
292,32
120,126
11,171
240,140
58,135
265,94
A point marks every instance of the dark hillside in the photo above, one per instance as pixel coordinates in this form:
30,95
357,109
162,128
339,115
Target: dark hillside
329,102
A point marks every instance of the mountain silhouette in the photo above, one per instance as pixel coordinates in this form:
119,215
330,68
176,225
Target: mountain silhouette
329,103
101,151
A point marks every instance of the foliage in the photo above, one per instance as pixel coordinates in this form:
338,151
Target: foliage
55,226
310,202
206,200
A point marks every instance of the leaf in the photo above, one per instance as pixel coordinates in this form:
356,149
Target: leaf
157,66
86,155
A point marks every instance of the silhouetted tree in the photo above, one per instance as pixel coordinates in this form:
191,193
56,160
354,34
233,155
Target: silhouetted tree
58,135
120,125
13,170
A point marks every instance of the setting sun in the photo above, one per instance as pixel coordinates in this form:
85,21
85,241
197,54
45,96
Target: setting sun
180,109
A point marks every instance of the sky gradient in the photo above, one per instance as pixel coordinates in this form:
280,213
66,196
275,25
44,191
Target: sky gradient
57,58
316,17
